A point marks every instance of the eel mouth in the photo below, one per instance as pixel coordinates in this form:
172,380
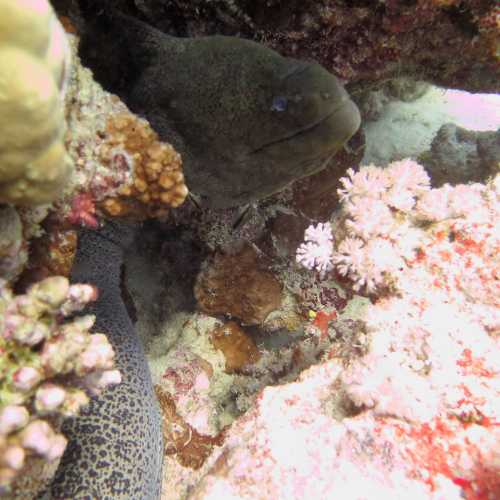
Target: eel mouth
346,123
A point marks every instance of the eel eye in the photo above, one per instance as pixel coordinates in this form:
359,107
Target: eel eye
279,103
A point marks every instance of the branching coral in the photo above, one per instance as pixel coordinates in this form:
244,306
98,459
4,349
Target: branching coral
34,65
47,368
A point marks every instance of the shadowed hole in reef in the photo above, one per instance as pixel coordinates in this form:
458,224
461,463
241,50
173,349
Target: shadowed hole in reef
160,270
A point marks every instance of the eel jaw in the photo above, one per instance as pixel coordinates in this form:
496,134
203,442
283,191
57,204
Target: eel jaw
342,122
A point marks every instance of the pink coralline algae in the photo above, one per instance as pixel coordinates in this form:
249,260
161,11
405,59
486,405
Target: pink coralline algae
48,367
186,381
291,445
425,421
83,211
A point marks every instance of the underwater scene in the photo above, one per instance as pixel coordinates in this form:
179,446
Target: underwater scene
249,249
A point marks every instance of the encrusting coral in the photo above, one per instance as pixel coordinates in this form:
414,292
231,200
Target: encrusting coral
237,346
34,67
48,368
238,285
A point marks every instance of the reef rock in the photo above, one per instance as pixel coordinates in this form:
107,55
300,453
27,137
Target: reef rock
459,156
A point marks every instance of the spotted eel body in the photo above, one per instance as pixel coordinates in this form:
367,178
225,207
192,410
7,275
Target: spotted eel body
115,446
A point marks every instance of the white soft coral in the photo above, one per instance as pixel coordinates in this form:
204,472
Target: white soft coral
390,215
316,251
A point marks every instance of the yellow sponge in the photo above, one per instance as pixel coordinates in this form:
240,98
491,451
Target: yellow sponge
34,65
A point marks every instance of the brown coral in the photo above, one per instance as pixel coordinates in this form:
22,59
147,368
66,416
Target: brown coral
238,285
157,181
238,348
189,446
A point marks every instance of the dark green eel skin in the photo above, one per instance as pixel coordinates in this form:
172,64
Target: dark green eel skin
115,449
246,120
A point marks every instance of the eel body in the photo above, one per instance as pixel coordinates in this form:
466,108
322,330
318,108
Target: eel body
246,120
115,449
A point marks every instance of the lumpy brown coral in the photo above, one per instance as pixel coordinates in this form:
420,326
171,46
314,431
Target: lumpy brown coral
122,169
157,181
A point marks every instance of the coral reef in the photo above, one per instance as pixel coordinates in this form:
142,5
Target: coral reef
411,409
390,218
109,148
238,285
47,370
375,373
373,41
310,451
348,391
34,68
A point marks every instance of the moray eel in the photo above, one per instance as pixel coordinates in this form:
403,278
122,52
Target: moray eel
246,120
115,448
